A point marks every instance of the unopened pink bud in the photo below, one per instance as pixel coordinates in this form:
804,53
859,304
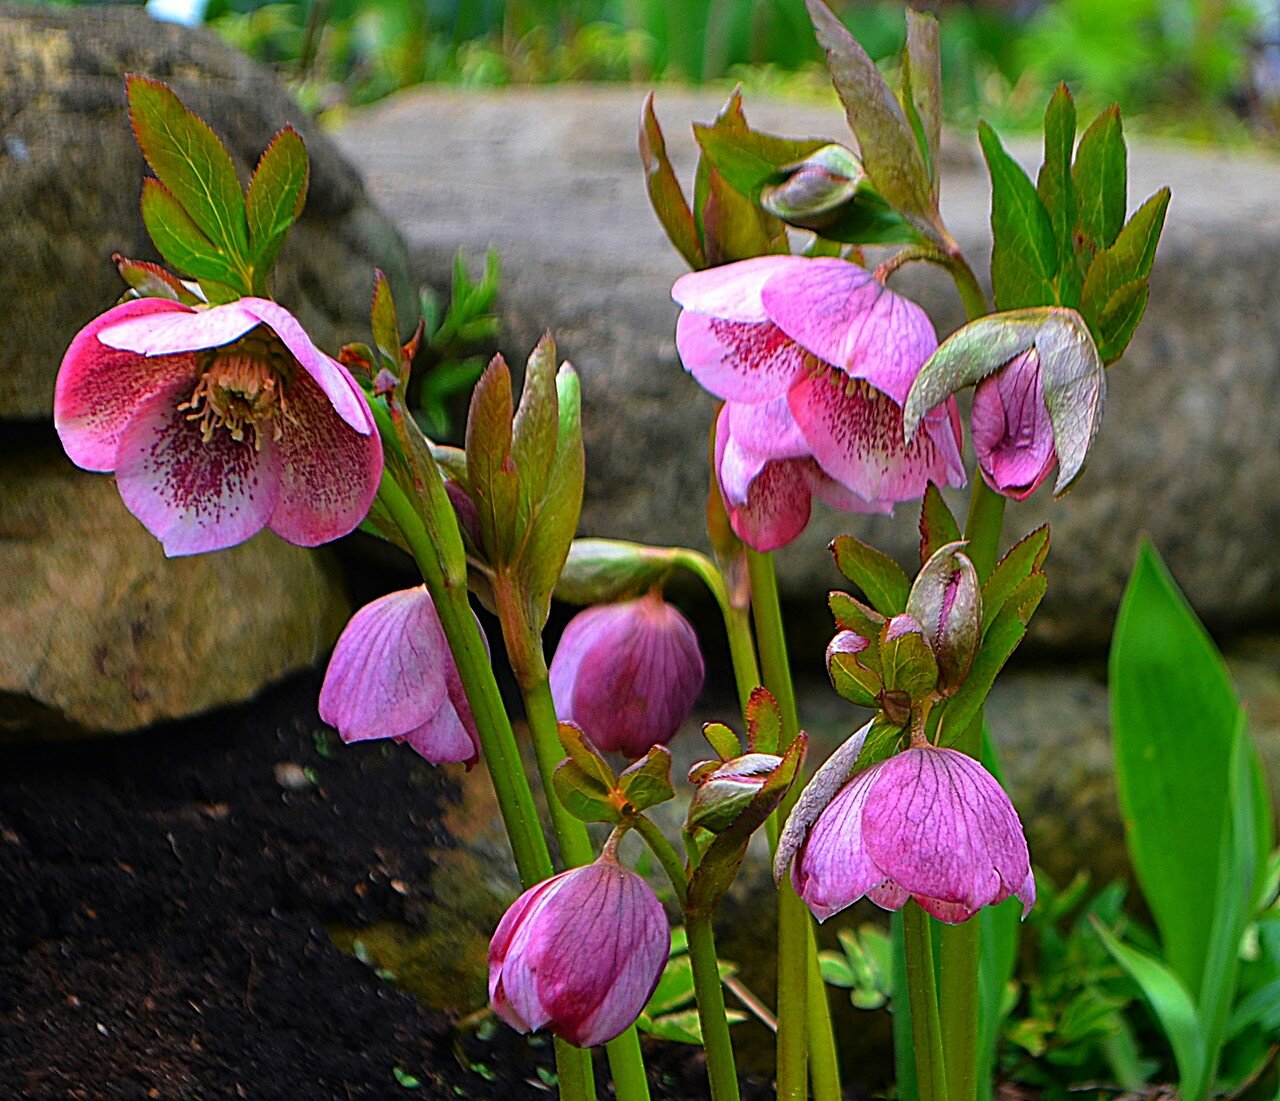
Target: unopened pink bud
579,954
628,674
727,790
1012,433
929,824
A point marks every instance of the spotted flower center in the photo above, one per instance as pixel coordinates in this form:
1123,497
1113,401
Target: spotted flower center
242,389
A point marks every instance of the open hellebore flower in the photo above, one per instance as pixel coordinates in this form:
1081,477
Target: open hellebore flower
580,954
929,824
392,675
218,422
1012,434
841,351
628,673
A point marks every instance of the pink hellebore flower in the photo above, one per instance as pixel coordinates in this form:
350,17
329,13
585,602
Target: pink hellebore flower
628,674
218,422
834,352
1012,434
392,675
929,824
580,954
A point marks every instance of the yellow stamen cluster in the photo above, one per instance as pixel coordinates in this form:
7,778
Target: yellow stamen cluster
242,389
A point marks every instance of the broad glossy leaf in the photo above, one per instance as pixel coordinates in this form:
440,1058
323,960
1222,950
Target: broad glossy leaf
647,782
1024,258
190,160
665,193
582,795
881,578
180,241
1100,176
276,195
1174,714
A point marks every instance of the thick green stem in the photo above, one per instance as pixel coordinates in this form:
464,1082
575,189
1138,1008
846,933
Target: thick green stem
497,741
824,1065
797,954
922,990
721,1069
737,622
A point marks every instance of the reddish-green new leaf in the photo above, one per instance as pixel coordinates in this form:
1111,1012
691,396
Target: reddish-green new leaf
853,615
1025,557
1100,176
665,193
1057,192
179,240
537,423
647,782
491,469
764,722
937,526
748,159
277,193
191,161
152,281
723,740
880,578
922,87
1024,257
385,323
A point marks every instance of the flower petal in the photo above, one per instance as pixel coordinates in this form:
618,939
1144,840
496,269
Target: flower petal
1012,434
731,292
181,330
330,376
737,361
855,433
386,678
191,495
100,388
329,473
833,868
847,318
748,437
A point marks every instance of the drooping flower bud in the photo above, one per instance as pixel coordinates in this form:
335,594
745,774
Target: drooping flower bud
809,192
726,789
930,824
392,675
946,600
579,954
1012,433
627,673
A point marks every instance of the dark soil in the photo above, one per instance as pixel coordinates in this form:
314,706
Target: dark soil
163,903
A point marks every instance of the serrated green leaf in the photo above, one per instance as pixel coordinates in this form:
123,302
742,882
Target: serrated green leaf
152,281
276,195
1127,261
665,193
764,722
1002,637
1024,258
582,795
1056,190
1100,177
647,782
853,615
385,323
881,744
938,526
1024,558
907,662
179,240
890,153
856,677
881,579
748,159
724,741
192,163
583,754
1119,320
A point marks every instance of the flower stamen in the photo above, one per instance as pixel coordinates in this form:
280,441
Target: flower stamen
242,389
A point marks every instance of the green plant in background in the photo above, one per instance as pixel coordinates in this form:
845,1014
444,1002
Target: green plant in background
672,1013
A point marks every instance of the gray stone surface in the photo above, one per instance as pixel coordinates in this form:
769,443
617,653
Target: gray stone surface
99,632
70,177
1188,453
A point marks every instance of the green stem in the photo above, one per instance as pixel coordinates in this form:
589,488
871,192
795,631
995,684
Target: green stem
824,1065
667,857
721,1069
737,622
923,993
497,741
797,954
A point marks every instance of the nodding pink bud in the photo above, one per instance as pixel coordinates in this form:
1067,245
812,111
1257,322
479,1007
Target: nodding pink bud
946,599
1012,433
929,824
392,675
726,791
628,674
579,954
811,191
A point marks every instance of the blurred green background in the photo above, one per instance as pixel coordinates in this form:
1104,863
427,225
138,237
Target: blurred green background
1205,69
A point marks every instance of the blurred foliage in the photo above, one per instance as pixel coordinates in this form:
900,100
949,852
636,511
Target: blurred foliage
1194,68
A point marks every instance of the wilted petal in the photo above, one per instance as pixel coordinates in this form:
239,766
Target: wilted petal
580,954
329,474
1012,434
847,318
943,829
855,433
627,673
193,495
833,869
100,388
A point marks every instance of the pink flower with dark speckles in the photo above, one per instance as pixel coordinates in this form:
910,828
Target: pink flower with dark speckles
219,421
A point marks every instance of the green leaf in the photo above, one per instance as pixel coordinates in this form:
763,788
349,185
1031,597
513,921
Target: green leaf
907,662
384,322
582,795
853,615
152,281
890,152
179,240
598,571
192,163
1024,258
857,677
938,526
868,220
1056,190
1119,320
665,194
881,744
880,578
277,193
1023,559
748,159
724,741
764,722
1174,714
922,87
536,429
1172,1006
1100,177
491,469
647,782
1007,630
735,228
